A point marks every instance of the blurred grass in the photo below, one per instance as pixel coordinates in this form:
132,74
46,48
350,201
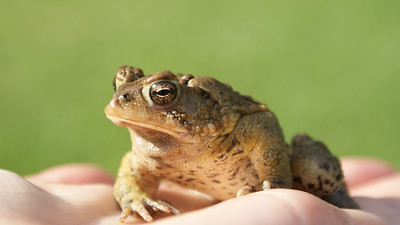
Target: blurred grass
328,68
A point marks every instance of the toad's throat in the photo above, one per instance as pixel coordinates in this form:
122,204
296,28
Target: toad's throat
149,130
152,139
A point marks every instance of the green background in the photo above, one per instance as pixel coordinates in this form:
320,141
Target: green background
330,68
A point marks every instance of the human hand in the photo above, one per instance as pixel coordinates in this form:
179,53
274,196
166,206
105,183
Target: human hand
73,194
82,194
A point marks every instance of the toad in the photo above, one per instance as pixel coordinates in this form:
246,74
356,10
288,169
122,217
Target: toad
199,133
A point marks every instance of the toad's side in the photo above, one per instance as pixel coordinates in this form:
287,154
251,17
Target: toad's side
199,133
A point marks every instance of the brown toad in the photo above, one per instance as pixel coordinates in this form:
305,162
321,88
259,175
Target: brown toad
199,133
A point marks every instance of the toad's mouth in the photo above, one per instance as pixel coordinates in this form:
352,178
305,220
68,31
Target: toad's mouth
137,125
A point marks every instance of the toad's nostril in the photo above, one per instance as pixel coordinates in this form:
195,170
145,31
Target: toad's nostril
124,97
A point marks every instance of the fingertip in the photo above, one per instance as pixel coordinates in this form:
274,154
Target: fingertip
73,174
359,170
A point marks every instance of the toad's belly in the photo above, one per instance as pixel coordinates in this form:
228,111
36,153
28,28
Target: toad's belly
220,181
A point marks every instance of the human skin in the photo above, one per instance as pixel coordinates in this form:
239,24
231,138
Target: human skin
82,194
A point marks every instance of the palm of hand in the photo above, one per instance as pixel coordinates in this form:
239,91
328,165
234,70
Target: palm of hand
81,194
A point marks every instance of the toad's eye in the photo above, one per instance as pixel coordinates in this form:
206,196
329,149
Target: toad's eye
163,92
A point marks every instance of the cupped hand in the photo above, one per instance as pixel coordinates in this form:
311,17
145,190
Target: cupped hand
82,194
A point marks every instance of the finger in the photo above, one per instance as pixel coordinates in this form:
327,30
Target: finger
276,206
22,201
87,201
383,197
72,174
385,187
361,170
53,204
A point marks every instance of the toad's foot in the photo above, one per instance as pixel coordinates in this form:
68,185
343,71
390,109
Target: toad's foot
245,190
277,183
132,204
266,185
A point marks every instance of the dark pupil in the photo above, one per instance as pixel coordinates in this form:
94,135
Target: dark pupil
163,92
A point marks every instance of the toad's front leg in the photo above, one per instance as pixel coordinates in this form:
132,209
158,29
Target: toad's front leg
273,170
267,151
133,192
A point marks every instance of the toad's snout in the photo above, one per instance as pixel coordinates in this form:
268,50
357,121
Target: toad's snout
125,100
125,95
